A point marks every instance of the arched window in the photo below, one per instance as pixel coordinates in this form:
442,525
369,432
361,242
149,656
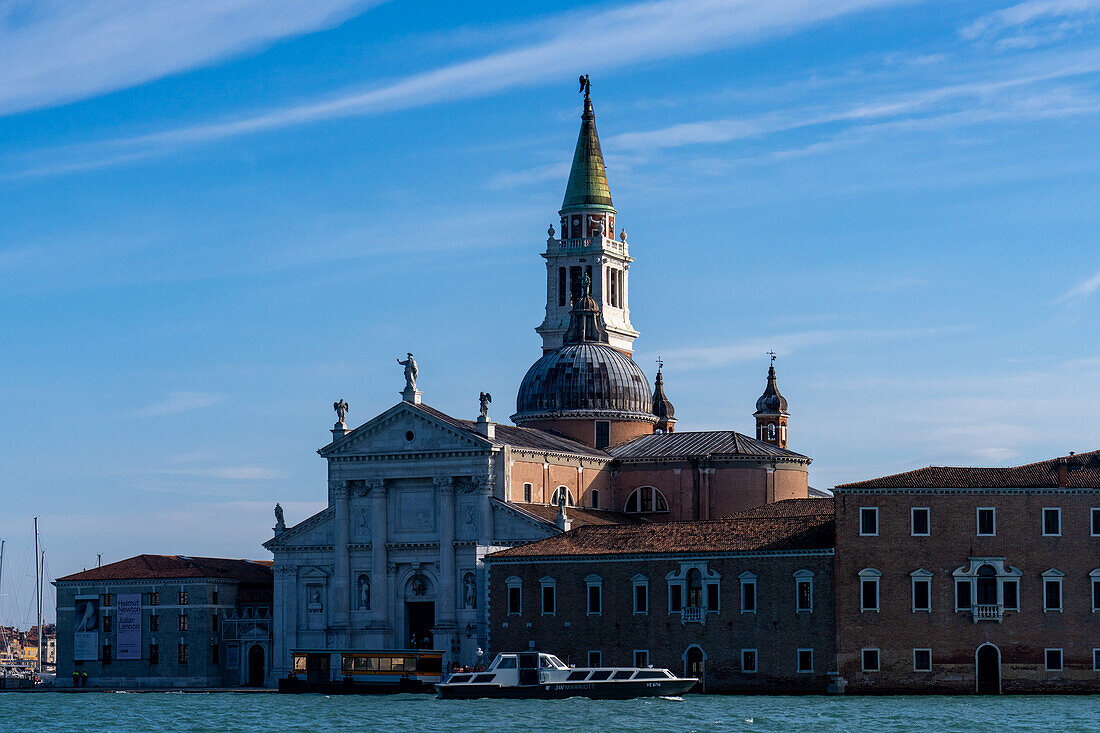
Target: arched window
595,494
556,497
646,499
771,431
695,588
987,585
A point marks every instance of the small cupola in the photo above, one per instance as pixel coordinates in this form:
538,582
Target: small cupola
662,406
771,412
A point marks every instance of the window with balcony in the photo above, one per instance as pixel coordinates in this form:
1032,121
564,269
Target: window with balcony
645,500
1052,522
869,660
527,492
922,590
1052,660
868,589
748,661
748,593
641,594
1052,590
515,595
804,590
805,661
922,660
594,585
987,522
920,523
868,521
549,596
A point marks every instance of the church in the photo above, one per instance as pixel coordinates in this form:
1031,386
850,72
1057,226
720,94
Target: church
417,498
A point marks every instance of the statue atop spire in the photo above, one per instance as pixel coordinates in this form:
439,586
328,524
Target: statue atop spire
586,86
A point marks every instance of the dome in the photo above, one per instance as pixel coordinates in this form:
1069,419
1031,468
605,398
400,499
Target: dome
588,377
771,402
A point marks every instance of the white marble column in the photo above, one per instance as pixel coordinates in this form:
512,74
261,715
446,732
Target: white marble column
380,591
446,489
485,507
285,634
341,581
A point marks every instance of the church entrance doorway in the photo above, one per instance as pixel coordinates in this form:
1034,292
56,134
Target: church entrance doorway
421,615
256,666
988,669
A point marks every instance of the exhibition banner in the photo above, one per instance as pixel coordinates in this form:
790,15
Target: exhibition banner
128,639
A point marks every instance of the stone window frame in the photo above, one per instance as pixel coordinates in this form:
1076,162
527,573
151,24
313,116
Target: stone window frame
874,513
1043,521
593,582
918,668
870,575
528,490
748,578
913,524
569,499
920,575
1094,590
1046,660
1096,659
639,581
978,521
1094,521
680,578
969,574
755,661
798,661
514,582
595,496
863,654
646,660
598,657
1053,576
551,584
800,577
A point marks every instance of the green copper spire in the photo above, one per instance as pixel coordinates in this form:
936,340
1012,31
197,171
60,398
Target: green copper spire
587,187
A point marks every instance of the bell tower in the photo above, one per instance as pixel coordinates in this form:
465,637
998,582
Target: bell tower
586,244
771,412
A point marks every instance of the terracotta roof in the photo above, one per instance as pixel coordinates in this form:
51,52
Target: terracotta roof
708,444
519,437
1078,471
143,567
578,515
717,535
787,508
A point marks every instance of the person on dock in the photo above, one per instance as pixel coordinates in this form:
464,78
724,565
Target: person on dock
84,678
76,678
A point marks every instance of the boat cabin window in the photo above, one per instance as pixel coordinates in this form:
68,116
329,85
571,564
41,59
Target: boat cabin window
623,674
506,662
547,661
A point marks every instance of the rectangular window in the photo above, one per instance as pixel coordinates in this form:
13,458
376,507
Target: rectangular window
748,596
595,659
1053,660
806,660
108,600
675,598
987,522
869,660
641,598
181,653
183,622
1096,660
595,599
920,524
868,594
154,599
1052,594
922,660
214,653
574,284
183,598
213,622
1052,522
106,654
527,492
549,599
603,433
804,595
922,594
106,623
561,286
712,598
1096,594
1094,523
154,654
1010,592
214,596
962,595
154,623
641,657
748,661
868,521
514,600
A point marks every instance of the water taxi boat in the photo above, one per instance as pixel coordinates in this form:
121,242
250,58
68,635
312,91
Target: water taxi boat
544,676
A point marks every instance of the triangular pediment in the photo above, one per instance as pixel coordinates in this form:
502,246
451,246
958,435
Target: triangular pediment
312,532
406,429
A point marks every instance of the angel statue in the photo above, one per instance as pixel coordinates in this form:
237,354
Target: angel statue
485,399
279,522
341,408
586,85
411,372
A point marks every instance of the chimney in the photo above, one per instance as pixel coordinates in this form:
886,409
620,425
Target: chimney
1063,472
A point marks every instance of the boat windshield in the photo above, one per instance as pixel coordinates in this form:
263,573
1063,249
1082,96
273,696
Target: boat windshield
556,662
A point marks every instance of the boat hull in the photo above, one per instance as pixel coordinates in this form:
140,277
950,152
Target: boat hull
612,690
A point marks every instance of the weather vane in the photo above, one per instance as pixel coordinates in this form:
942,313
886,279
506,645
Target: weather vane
772,355
660,363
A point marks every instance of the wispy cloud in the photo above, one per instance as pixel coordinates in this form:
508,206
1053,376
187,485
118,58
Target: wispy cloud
232,473
1083,290
610,39
1033,22
55,51
177,402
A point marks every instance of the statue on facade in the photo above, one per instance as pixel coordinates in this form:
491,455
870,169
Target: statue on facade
469,590
485,398
364,592
342,410
280,524
586,284
411,372
419,588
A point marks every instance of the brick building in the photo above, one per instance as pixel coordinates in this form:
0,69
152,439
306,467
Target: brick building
743,602
166,621
971,579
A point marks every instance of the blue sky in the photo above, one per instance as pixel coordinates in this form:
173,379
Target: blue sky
218,217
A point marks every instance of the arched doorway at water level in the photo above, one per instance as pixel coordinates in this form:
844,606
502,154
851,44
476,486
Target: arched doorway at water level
987,670
695,665
256,666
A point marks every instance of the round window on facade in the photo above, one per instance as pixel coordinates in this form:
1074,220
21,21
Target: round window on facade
409,435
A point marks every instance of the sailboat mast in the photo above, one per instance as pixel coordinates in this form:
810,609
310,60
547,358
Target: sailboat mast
38,590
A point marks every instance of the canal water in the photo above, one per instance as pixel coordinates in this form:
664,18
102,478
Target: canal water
167,711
